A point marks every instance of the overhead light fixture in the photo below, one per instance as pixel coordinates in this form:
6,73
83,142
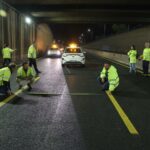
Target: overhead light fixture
28,20
89,30
3,13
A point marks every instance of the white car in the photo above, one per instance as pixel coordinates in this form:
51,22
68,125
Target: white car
73,55
54,53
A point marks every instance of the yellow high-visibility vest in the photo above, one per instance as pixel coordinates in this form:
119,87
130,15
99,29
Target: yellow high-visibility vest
112,76
146,54
32,52
21,72
132,55
7,52
5,75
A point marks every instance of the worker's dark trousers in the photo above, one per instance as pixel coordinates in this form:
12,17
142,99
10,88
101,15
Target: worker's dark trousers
145,66
33,62
105,85
6,62
3,90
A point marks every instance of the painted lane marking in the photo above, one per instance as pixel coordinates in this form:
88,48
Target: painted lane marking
122,114
6,100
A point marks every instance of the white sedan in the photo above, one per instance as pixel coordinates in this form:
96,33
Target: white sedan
73,55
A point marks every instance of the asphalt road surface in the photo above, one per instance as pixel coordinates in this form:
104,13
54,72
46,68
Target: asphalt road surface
67,110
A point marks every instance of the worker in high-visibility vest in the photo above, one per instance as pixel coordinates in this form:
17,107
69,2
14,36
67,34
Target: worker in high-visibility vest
25,74
132,59
146,58
7,55
109,77
5,75
32,56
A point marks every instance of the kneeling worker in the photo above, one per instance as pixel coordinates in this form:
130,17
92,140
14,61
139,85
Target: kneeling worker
109,77
25,74
5,75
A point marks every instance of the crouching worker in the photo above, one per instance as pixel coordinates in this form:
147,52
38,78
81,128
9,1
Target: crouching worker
25,74
5,75
109,78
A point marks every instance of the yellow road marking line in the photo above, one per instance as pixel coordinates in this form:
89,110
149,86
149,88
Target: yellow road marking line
6,100
122,114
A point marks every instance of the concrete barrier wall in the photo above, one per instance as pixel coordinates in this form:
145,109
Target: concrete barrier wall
122,58
121,43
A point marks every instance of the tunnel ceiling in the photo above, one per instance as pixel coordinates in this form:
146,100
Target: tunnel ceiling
85,11
78,2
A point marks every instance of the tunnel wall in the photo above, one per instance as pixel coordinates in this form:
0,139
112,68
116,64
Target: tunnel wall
116,47
122,58
14,31
19,35
121,43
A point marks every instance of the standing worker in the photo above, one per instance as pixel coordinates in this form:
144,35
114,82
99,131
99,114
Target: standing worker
7,55
5,74
132,59
146,58
25,73
109,77
32,55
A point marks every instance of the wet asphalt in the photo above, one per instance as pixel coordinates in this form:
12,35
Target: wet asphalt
66,110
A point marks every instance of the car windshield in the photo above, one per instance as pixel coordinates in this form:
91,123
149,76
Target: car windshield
73,50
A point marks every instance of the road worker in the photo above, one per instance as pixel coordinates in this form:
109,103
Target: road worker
5,75
7,55
32,55
109,77
132,59
146,58
25,74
